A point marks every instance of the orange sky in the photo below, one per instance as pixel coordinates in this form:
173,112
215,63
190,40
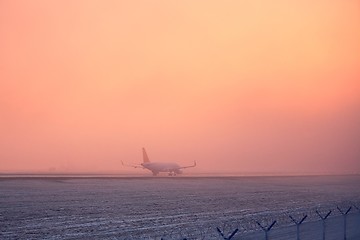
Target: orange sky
239,86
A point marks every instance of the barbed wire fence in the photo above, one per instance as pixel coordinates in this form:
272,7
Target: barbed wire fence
261,226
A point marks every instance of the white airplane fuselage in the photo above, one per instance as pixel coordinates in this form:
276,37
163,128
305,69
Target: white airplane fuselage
157,167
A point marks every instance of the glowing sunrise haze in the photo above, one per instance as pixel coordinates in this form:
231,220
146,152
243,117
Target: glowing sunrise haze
249,86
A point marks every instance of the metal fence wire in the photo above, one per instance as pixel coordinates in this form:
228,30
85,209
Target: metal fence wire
331,222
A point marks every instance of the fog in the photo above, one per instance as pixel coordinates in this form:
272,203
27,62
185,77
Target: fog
238,86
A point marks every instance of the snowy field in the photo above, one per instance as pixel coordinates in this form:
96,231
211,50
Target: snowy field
176,207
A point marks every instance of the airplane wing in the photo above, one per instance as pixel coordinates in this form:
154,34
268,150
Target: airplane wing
134,166
194,165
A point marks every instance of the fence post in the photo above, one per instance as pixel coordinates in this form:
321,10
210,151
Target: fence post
323,221
230,236
266,229
298,225
345,217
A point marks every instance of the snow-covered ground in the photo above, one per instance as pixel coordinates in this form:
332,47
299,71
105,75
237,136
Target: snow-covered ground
175,208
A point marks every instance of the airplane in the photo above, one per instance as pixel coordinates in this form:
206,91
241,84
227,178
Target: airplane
156,167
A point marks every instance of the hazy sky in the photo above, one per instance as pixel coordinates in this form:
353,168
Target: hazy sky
239,86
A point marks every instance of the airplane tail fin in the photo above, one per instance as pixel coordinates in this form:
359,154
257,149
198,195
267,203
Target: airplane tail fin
145,156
